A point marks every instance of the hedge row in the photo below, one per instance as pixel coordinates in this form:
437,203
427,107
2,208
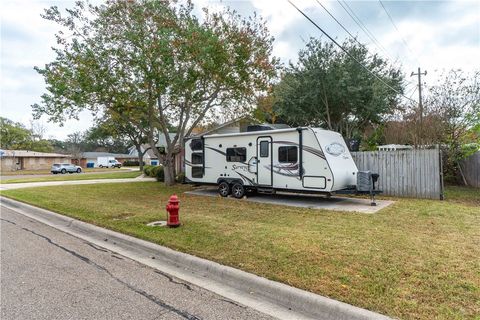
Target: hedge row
132,163
157,172
154,172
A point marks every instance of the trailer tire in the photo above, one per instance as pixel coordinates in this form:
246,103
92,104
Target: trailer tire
238,191
224,189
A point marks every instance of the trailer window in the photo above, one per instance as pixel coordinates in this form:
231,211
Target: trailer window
236,154
197,172
263,149
196,144
197,158
287,154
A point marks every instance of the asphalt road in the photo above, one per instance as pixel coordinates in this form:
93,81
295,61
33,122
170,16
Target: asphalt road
47,274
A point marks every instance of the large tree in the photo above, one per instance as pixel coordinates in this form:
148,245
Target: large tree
329,88
14,135
157,60
455,102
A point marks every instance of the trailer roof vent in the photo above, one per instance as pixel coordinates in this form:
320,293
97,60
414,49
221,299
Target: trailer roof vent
267,126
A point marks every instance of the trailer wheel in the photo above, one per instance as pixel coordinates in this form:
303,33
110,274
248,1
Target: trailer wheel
238,191
224,189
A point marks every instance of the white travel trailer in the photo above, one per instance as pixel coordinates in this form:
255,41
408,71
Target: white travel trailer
295,160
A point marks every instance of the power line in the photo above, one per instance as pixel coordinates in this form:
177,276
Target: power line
413,91
348,53
362,26
338,22
395,26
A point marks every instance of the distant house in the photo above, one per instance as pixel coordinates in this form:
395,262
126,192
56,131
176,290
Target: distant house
89,159
149,156
151,159
233,126
13,160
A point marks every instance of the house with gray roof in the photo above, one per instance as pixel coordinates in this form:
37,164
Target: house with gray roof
89,159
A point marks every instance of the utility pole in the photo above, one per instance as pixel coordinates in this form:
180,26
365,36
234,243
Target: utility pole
420,103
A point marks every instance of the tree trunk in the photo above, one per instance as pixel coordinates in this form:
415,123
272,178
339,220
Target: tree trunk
140,156
169,169
327,110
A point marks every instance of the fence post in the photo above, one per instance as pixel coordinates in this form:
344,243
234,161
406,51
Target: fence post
440,159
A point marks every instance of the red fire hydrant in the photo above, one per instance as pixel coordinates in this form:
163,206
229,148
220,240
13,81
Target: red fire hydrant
173,207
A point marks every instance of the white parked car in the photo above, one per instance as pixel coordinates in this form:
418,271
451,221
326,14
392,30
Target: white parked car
64,168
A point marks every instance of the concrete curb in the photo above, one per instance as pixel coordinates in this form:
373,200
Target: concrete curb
270,297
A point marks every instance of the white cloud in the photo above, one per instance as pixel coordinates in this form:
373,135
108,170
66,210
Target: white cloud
428,47
26,42
449,40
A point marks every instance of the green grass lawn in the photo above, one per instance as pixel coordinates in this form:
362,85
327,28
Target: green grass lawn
417,259
76,176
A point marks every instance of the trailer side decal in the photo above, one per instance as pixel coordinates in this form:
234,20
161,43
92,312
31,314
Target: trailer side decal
311,150
188,163
246,178
288,170
216,150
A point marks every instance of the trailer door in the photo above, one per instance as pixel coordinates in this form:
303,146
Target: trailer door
264,161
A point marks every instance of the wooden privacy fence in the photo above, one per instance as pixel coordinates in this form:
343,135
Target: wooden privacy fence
405,173
471,169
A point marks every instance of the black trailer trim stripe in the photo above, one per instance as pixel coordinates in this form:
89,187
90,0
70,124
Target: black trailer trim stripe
216,150
311,150
246,178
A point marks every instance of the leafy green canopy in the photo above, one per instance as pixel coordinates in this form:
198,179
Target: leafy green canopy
14,135
327,88
155,63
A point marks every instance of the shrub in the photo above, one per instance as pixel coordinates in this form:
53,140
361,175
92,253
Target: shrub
132,163
180,178
147,170
157,172
154,172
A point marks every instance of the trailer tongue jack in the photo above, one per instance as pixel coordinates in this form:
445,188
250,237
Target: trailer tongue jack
372,193
365,185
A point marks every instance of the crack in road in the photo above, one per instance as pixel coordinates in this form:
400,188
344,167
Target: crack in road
233,302
95,247
143,293
8,221
170,278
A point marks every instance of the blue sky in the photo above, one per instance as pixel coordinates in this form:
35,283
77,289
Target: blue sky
440,35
